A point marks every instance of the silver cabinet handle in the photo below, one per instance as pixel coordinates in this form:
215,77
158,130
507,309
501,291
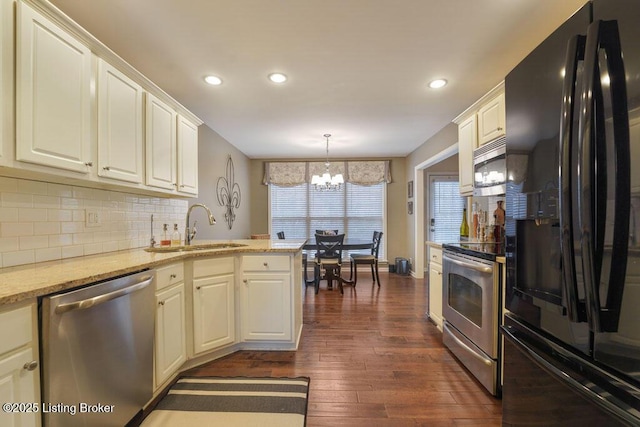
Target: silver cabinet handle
90,302
30,366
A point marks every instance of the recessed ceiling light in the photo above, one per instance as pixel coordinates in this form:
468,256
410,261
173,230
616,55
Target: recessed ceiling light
213,80
277,77
437,84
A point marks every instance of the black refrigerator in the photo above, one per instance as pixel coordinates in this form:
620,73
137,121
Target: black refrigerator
572,326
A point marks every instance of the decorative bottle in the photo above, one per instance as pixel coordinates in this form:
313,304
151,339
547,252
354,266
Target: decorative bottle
464,227
164,240
498,214
474,221
176,238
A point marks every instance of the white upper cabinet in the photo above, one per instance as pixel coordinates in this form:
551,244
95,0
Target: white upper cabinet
161,150
6,79
467,136
120,143
187,156
479,124
491,120
53,94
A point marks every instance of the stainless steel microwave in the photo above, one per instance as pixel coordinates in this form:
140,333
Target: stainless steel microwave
490,169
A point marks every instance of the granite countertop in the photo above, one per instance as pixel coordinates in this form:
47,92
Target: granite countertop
34,280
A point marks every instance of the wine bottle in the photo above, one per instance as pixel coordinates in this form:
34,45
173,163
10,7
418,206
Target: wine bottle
464,227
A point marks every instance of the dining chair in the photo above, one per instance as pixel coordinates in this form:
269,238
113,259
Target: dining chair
370,259
328,232
304,262
328,260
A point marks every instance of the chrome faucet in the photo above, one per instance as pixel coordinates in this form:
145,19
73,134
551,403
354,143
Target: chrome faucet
152,241
190,234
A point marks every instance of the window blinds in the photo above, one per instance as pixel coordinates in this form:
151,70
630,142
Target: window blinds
356,210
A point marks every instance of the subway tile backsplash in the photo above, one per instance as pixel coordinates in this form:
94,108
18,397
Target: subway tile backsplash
41,221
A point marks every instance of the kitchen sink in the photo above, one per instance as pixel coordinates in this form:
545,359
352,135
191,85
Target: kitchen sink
195,247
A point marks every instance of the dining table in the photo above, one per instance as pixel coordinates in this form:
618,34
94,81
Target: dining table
347,245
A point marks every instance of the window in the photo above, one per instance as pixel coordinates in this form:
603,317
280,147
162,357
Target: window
445,208
356,210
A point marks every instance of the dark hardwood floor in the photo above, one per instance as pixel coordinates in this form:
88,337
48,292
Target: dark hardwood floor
374,360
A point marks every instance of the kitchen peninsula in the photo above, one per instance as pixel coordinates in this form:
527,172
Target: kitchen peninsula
211,299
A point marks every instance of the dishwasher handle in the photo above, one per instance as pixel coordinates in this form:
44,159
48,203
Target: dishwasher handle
91,302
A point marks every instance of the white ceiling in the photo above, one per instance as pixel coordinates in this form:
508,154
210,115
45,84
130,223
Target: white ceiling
358,69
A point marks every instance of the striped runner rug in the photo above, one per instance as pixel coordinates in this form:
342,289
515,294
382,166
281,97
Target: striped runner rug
238,401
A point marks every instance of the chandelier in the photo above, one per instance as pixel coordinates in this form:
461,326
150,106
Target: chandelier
326,181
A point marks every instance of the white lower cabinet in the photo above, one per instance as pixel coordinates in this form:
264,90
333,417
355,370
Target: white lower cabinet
19,368
266,294
170,334
435,286
213,304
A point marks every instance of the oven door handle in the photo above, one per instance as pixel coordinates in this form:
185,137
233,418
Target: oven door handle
480,268
471,351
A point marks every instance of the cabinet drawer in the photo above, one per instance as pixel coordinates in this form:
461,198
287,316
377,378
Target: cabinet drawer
16,328
212,267
435,255
169,275
265,263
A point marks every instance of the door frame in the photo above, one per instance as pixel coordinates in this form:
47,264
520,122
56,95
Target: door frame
419,208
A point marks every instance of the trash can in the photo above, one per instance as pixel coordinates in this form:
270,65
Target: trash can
402,266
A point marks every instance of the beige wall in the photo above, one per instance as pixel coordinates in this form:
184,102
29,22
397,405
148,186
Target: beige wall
213,153
396,205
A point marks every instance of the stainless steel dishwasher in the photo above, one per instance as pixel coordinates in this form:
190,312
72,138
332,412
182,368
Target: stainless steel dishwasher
97,352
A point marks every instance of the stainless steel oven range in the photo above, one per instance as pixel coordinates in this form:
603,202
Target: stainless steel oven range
471,309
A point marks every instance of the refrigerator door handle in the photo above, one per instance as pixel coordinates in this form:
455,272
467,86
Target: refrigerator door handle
575,53
604,36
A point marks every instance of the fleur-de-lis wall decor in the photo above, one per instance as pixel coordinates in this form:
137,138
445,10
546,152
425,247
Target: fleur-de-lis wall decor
228,193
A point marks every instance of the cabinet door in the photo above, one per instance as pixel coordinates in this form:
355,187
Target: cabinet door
491,120
266,307
187,156
213,312
467,136
170,348
53,94
435,294
161,144
120,142
6,80
19,385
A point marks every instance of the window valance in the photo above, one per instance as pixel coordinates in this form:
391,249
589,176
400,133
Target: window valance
287,174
